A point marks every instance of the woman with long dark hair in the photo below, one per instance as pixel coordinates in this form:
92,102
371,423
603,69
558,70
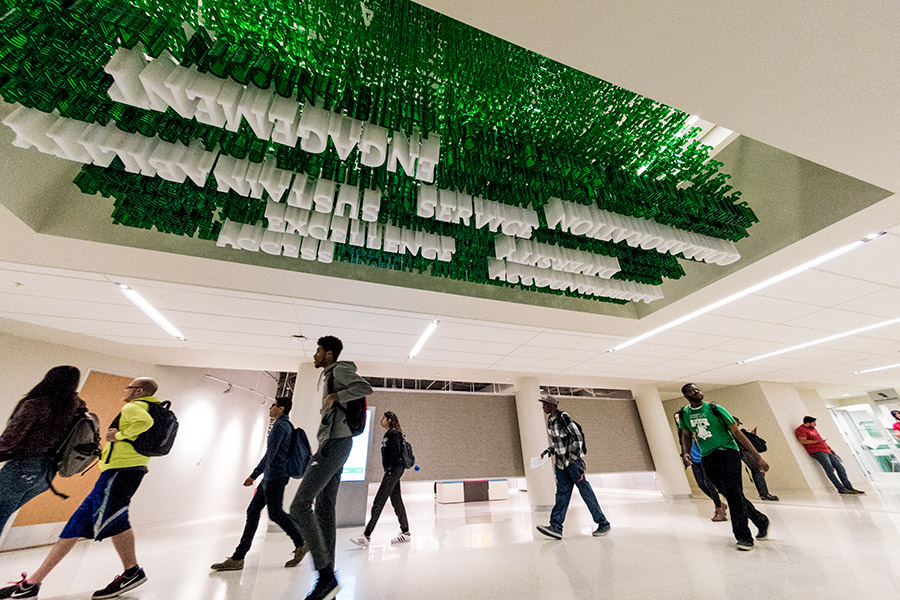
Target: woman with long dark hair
392,461
38,425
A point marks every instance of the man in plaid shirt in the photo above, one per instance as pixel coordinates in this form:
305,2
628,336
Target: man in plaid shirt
567,449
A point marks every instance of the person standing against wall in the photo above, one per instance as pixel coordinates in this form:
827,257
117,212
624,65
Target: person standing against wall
104,513
274,468
323,476
718,436
394,467
816,446
567,449
37,427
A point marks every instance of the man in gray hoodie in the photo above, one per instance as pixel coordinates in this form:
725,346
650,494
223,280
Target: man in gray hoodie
323,476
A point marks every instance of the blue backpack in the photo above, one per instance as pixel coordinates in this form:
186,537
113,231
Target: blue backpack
299,454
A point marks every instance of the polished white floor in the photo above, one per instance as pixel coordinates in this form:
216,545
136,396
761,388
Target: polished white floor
820,547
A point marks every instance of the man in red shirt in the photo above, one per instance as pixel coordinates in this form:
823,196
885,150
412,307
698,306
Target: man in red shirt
817,447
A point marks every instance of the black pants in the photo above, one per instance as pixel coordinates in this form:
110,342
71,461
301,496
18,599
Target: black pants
706,486
759,478
271,494
389,488
723,467
320,484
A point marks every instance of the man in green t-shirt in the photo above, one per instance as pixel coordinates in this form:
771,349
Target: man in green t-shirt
718,436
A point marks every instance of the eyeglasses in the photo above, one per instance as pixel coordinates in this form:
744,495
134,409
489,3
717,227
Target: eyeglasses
133,387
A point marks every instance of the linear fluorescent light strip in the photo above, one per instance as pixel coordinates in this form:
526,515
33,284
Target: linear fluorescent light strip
830,338
427,334
876,369
151,312
750,290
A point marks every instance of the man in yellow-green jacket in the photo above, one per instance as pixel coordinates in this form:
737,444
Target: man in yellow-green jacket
104,513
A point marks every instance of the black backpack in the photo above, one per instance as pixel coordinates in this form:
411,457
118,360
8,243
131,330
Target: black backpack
581,431
356,415
758,442
159,439
406,451
299,454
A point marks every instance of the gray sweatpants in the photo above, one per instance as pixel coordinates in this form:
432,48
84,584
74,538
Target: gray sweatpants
320,484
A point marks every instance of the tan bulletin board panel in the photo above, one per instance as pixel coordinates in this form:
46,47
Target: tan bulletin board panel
103,394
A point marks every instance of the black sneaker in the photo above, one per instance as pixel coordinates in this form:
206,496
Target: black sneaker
20,589
602,530
763,531
121,584
550,531
769,497
326,588
744,545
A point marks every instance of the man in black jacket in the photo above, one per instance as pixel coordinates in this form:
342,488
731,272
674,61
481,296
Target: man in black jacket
756,474
274,468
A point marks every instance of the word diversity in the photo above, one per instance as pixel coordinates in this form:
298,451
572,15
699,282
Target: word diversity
162,83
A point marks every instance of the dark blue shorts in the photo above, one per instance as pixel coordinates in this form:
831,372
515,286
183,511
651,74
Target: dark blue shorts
104,513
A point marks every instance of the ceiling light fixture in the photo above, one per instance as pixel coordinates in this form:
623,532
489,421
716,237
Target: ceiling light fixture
829,338
425,335
750,290
693,119
151,312
884,368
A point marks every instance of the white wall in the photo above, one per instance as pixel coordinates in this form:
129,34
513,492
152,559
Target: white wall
220,439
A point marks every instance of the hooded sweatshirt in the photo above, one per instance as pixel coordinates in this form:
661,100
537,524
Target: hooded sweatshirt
340,378
133,421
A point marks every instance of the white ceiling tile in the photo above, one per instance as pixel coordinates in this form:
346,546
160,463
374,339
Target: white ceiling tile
75,309
835,320
749,347
461,345
94,327
430,354
231,323
763,308
136,341
648,349
890,333
623,360
688,340
572,356
351,319
853,343
483,332
869,262
191,301
716,354
821,288
883,303
785,335
250,340
817,353
717,325
572,342
537,364
74,286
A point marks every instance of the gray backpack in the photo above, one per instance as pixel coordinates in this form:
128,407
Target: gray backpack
80,447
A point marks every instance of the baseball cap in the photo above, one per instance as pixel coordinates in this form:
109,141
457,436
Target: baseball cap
550,400
808,419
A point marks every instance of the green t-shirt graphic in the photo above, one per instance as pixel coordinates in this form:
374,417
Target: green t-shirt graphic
711,431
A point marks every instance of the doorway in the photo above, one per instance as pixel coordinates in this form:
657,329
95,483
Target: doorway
868,431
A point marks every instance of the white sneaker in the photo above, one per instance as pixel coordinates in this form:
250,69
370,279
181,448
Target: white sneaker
402,538
361,541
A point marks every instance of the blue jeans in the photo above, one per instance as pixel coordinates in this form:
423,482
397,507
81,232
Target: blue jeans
830,463
566,479
21,479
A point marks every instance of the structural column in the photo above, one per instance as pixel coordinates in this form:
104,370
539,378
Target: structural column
541,482
308,401
666,455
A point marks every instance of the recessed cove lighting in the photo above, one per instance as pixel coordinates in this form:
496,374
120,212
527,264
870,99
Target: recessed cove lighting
151,312
750,290
425,335
829,338
884,368
693,119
